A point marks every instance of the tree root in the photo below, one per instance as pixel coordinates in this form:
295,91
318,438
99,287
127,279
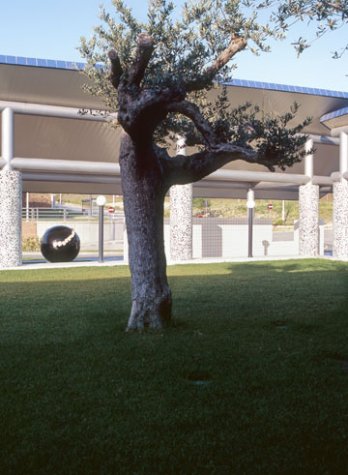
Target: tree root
154,315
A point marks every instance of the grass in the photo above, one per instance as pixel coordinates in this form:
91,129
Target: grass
251,379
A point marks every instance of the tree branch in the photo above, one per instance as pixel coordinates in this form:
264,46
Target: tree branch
338,7
190,110
142,57
146,109
182,169
155,97
116,68
236,44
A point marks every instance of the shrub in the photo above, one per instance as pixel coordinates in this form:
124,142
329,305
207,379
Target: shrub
31,244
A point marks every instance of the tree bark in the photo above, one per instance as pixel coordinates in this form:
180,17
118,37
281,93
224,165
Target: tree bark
143,193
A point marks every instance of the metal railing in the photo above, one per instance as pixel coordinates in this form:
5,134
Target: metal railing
35,214
64,214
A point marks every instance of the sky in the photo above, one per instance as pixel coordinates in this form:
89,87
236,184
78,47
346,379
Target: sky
51,29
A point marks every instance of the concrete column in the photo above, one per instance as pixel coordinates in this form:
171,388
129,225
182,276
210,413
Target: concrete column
340,204
343,152
10,218
309,220
309,210
7,137
10,198
181,217
340,219
308,159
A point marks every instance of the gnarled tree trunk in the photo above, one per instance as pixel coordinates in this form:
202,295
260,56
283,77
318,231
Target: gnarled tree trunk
148,171
143,193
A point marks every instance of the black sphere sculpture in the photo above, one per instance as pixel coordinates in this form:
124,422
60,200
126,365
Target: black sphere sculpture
60,244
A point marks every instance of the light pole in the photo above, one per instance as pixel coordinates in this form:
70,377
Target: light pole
27,202
101,200
250,206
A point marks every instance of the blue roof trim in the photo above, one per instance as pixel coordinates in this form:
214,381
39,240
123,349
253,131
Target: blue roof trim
286,88
40,63
334,114
69,65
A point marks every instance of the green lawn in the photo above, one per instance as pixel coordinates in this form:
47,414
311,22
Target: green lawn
251,379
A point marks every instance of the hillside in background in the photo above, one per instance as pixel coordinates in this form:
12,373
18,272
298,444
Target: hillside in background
280,212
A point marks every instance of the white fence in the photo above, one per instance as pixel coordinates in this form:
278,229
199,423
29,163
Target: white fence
228,238
212,237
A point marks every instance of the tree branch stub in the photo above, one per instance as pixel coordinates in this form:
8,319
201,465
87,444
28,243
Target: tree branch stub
236,44
145,48
116,68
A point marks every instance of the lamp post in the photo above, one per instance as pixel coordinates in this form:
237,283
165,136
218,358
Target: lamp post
250,206
27,201
101,200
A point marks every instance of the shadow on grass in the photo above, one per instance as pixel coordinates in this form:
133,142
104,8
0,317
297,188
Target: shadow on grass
249,379
223,292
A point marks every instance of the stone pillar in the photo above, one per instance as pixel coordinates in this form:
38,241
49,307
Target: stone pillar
10,218
181,217
181,222
309,209
309,220
340,205
340,219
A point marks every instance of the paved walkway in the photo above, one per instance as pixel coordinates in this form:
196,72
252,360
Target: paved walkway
33,264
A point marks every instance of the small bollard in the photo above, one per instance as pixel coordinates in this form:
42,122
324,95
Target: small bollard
265,247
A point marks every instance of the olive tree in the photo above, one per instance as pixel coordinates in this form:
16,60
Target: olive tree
158,76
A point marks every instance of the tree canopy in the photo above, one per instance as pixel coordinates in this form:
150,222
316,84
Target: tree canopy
181,55
177,59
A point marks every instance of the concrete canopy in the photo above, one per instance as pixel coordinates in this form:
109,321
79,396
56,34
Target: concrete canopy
59,150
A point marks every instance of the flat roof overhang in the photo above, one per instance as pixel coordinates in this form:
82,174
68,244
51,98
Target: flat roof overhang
68,152
336,121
